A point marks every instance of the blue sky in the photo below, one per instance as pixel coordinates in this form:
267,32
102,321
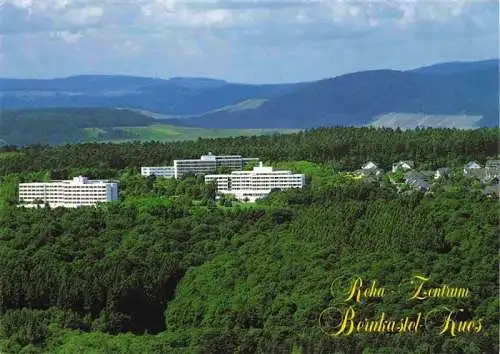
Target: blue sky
244,41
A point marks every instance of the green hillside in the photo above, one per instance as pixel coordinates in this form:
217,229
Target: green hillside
356,99
170,269
161,132
173,97
353,99
72,125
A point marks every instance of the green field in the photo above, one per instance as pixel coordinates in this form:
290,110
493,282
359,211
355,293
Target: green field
160,132
94,133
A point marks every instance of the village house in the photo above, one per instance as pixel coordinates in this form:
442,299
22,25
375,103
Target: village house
370,165
402,165
416,180
421,186
477,173
470,167
442,172
427,175
412,176
492,169
369,169
492,191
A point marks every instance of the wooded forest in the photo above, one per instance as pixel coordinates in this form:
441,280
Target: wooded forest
170,269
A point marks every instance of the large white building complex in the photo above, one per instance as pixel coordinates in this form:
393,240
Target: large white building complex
255,184
205,164
80,191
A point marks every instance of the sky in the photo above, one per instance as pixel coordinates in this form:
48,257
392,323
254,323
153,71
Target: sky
251,41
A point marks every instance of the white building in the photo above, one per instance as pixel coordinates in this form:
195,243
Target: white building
471,165
492,169
205,164
402,165
255,184
442,172
370,165
80,191
165,171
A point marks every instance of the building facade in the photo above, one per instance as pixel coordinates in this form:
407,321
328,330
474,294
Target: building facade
80,191
204,165
470,167
165,171
492,169
369,169
255,184
442,172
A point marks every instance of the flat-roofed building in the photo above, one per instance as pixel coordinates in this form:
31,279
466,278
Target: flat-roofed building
160,171
80,191
204,165
255,184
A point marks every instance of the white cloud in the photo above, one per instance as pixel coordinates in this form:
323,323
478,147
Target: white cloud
189,13
181,36
67,36
19,3
84,15
156,15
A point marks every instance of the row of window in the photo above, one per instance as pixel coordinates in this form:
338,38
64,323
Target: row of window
259,183
166,168
259,188
273,180
53,199
264,184
63,188
190,163
207,166
239,178
57,193
63,196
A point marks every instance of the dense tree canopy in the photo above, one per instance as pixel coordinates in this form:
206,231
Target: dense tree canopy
168,269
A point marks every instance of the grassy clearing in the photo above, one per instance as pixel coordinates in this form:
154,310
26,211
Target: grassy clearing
94,133
175,133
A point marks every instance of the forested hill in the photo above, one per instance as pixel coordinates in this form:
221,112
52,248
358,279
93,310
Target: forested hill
358,99
63,125
457,67
56,126
446,91
169,269
176,96
344,148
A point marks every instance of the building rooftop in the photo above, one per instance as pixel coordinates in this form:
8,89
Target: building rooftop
208,157
472,165
492,163
257,170
75,180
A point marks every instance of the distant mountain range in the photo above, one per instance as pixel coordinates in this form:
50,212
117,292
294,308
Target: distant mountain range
455,89
457,67
176,96
360,98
